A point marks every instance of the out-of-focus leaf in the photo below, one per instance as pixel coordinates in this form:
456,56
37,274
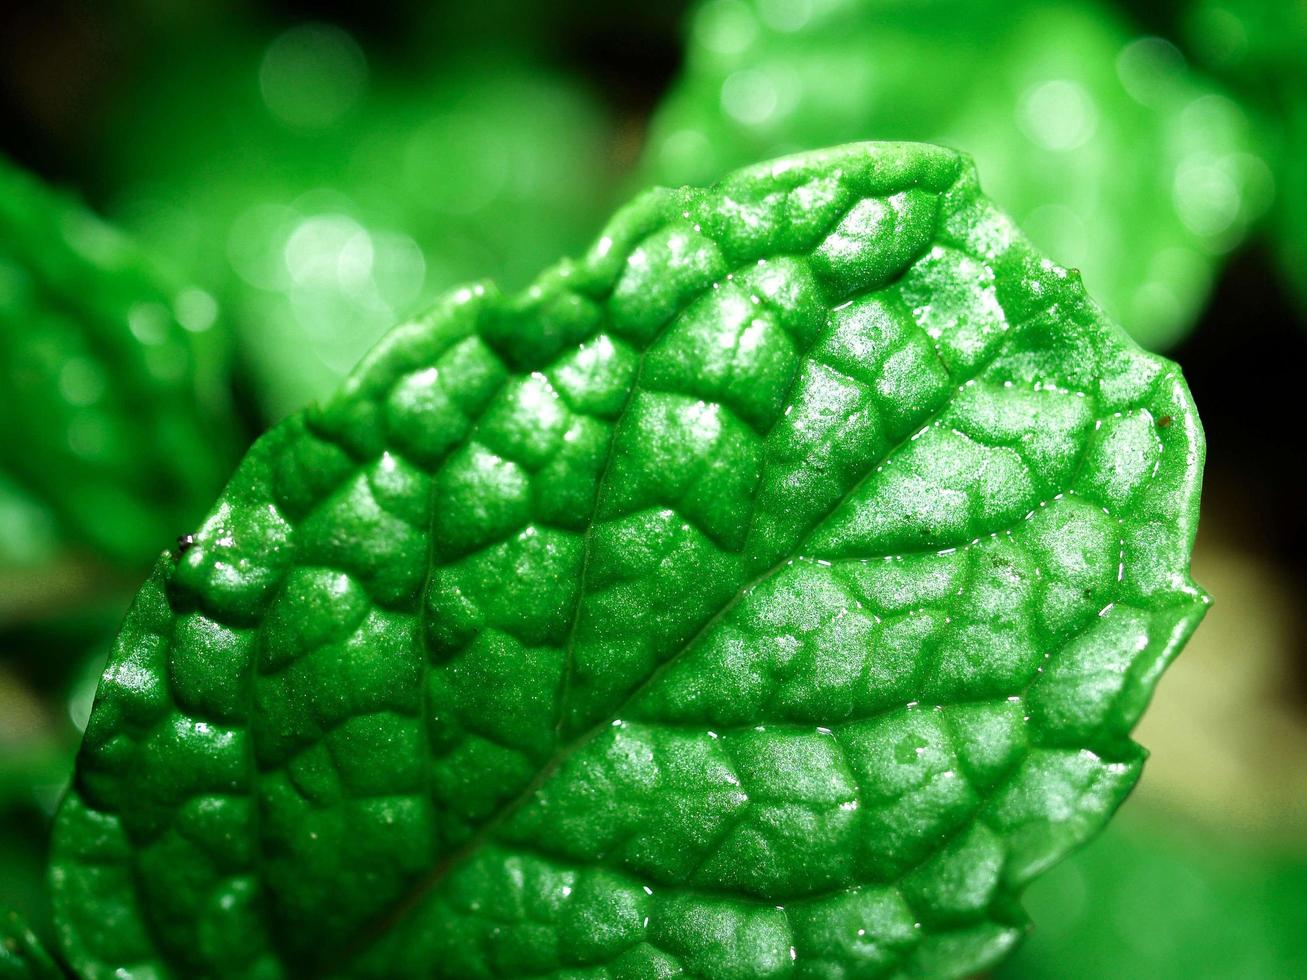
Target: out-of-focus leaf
1261,46
328,196
24,840
1161,897
1256,43
1109,151
115,427
1291,212
772,590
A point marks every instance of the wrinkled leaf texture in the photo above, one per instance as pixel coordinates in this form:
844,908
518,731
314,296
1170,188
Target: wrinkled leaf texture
769,593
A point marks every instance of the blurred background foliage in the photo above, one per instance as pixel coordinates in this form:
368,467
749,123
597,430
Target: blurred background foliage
266,187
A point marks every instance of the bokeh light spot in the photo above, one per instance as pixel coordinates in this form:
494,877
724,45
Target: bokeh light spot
324,249
1149,68
1058,115
312,76
196,310
81,382
786,16
725,26
1206,198
148,323
749,97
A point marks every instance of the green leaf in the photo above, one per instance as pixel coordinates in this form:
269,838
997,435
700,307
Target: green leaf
115,431
1111,154
22,957
769,593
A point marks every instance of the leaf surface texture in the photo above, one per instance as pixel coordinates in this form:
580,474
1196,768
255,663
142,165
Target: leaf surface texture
769,593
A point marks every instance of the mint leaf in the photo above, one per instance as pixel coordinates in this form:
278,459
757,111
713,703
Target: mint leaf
115,431
1101,144
769,593
22,956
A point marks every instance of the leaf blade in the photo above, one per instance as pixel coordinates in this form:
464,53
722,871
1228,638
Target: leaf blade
369,642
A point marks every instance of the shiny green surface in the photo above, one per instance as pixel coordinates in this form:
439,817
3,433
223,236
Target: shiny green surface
22,957
331,196
770,592
1110,152
115,430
